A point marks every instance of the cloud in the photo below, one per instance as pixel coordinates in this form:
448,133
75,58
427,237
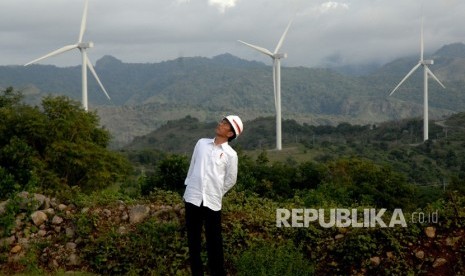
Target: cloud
331,5
340,31
222,5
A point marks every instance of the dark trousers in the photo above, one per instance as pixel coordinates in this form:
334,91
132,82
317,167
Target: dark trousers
196,217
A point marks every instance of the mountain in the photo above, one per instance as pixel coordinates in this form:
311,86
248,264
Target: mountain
147,95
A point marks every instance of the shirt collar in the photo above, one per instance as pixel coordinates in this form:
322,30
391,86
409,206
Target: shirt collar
220,145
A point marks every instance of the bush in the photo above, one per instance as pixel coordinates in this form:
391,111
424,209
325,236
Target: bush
8,216
8,185
273,260
153,249
54,147
169,174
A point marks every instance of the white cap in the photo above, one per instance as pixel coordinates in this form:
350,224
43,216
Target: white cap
236,123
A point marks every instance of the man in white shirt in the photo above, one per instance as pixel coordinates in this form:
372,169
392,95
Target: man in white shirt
212,172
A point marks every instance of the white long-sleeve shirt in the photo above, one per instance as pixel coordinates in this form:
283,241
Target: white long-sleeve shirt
212,172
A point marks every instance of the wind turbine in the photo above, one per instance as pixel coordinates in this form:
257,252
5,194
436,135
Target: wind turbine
426,73
86,63
276,57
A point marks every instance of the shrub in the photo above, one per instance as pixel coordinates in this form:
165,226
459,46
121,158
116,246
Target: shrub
169,174
153,249
7,218
55,146
268,259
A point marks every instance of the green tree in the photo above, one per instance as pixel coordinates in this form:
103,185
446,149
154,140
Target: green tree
309,175
169,174
60,145
369,183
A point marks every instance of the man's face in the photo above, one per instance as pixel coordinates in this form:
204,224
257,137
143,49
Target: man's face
224,129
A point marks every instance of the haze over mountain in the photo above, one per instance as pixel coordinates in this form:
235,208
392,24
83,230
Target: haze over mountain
146,95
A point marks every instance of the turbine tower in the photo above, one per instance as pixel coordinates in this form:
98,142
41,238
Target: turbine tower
426,73
86,63
276,57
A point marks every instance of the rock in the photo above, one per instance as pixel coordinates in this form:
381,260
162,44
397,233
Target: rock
451,241
430,232
56,220
138,213
390,255
55,263
71,246
40,200
69,232
19,222
17,248
62,207
122,230
375,261
124,216
85,210
49,211
106,213
39,217
7,241
339,236
74,260
439,262
31,202
420,254
41,233
121,206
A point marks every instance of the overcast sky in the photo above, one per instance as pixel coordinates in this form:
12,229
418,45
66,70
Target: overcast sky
141,31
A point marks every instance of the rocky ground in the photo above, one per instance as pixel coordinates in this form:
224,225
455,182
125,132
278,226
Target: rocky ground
55,224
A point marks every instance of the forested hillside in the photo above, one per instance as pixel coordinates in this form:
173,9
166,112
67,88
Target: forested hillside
397,144
145,96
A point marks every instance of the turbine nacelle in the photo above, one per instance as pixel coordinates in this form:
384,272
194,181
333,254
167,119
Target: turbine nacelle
280,56
427,62
85,45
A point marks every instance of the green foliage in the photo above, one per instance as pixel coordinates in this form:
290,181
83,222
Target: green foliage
273,260
7,218
371,184
355,248
255,246
54,149
98,197
310,175
8,185
343,182
169,174
154,248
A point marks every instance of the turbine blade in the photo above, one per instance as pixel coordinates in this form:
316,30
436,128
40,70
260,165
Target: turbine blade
422,47
280,43
434,77
84,21
258,48
91,68
54,53
406,77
